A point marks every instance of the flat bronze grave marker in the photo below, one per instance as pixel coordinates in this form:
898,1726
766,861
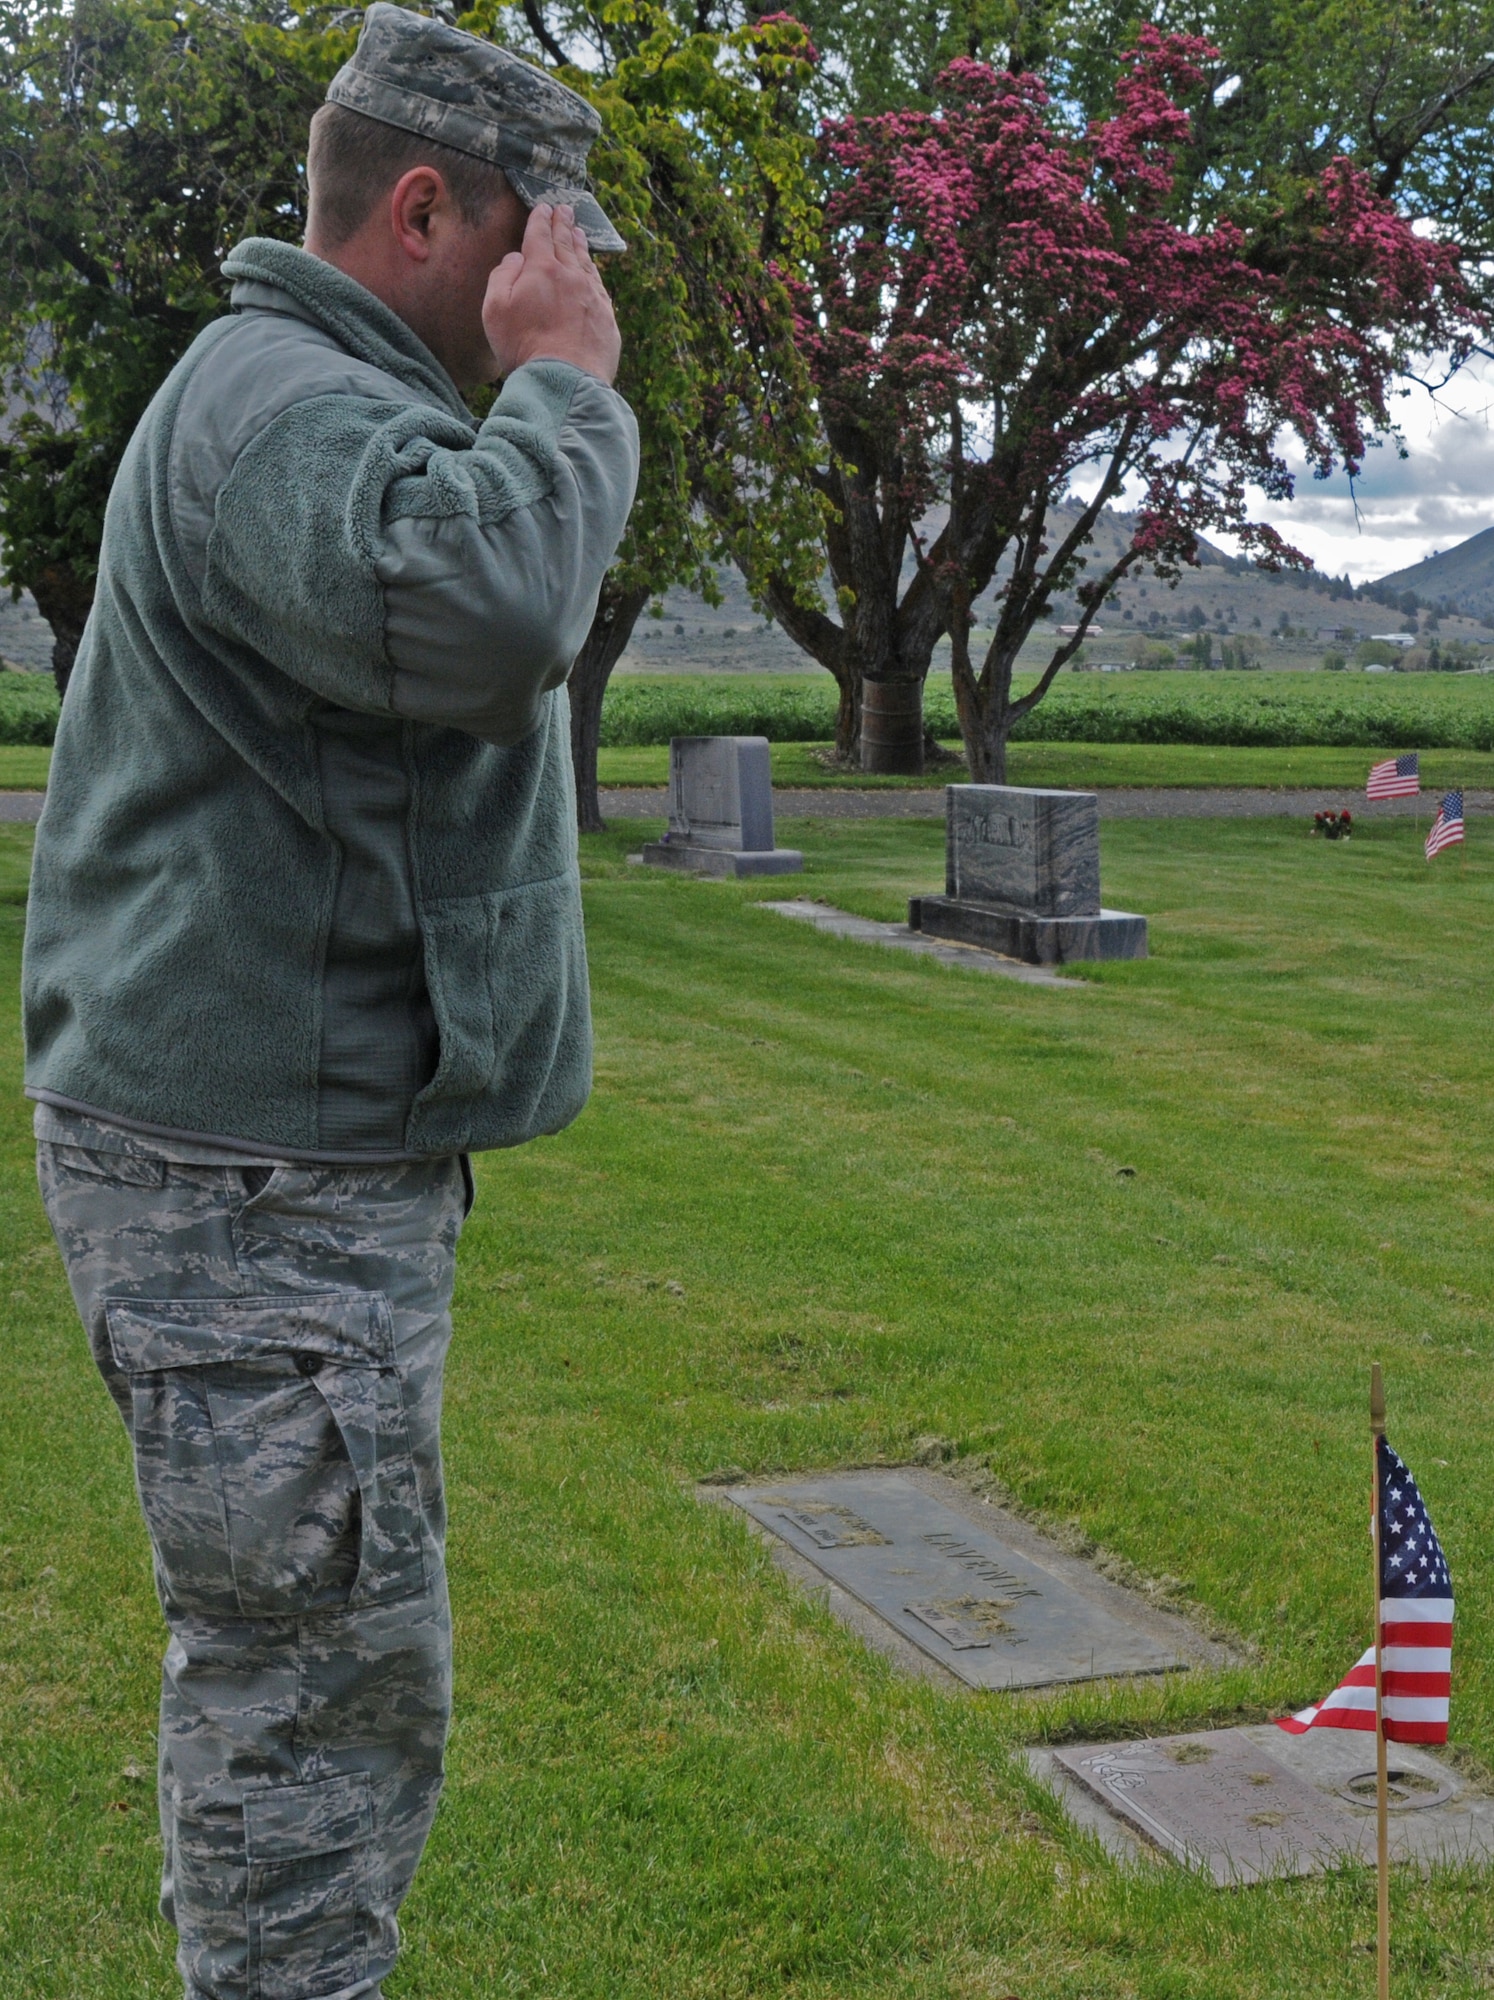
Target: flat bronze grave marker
1215,1802
992,1614
1253,1804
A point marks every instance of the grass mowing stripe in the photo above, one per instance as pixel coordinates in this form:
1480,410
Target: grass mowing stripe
827,1202
1081,766
1091,766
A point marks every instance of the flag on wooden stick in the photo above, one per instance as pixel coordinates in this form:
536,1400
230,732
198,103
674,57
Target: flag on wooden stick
1416,1621
1447,827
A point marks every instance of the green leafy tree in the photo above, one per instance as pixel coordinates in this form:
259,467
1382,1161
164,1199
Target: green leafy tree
139,139
879,55
704,168
143,139
1403,88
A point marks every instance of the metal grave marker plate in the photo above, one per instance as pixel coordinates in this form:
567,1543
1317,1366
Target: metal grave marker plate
989,1613
1246,1805
1215,1801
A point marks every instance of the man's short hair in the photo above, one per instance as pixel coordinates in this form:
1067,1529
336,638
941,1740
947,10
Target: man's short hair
354,159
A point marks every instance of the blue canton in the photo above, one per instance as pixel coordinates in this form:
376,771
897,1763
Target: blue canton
1411,1560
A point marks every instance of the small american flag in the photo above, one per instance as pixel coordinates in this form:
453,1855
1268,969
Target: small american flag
1416,1621
1447,827
1396,778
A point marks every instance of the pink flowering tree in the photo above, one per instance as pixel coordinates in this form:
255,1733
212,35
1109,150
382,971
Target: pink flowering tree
1011,310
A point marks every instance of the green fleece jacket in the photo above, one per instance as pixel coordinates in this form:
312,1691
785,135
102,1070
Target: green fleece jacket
306,877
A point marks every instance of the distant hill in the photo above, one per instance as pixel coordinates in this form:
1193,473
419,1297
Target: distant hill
1462,577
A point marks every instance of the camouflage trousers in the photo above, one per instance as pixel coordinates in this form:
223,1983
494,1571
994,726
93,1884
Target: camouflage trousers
274,1337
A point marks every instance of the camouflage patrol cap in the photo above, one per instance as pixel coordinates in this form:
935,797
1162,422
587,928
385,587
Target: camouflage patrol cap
450,87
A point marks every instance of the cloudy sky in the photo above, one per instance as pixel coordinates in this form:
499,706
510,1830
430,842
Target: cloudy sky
1439,495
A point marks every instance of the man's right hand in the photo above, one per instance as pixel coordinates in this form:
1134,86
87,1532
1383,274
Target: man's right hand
547,301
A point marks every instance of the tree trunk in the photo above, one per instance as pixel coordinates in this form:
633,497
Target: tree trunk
848,719
616,614
892,727
64,600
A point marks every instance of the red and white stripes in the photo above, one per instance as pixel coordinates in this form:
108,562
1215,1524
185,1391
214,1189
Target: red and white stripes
1416,1635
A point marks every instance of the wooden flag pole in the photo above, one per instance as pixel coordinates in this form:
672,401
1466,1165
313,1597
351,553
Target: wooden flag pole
1382,1798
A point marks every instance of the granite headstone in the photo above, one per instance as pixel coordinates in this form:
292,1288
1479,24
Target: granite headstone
721,810
1022,877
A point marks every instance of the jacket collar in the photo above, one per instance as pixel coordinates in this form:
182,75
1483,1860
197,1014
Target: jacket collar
282,278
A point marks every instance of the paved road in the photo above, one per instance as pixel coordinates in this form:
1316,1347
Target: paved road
1175,802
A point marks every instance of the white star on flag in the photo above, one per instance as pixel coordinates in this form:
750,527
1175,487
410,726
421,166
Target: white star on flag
1416,1621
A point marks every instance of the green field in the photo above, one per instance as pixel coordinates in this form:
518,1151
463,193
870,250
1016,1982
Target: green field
1247,710
1240,710
831,1205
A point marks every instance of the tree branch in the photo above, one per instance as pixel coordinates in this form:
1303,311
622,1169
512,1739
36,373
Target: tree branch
542,33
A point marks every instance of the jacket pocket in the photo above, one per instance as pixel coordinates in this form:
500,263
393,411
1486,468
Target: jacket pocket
307,1849
271,1451
506,974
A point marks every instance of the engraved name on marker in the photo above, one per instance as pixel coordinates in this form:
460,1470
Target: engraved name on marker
983,1567
997,830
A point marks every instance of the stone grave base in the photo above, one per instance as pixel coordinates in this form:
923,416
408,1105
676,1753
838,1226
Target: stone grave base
689,857
1034,940
1253,1804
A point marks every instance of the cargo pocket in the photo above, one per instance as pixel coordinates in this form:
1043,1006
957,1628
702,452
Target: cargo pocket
307,1849
271,1451
507,979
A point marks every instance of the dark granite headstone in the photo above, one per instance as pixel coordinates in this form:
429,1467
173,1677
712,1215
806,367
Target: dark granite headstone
721,810
1037,852
1022,877
989,1612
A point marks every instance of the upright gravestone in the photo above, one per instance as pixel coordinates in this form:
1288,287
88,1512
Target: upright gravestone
1022,877
721,810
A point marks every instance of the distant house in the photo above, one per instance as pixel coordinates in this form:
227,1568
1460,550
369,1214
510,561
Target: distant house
1405,640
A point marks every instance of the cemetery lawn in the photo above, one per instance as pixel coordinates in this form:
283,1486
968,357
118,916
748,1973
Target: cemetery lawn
24,766
1129,1248
1087,766
1090,766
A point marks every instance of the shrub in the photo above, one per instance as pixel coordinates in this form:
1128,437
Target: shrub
1152,655
1377,653
637,712
1436,713
28,708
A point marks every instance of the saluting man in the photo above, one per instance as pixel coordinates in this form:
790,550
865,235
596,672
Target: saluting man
305,931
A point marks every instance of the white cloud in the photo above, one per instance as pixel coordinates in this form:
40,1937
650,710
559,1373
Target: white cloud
1407,508
1400,509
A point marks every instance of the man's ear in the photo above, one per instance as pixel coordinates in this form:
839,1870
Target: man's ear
416,198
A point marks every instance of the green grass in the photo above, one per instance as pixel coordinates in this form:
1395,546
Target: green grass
828,1202
1085,765
24,766
1090,765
